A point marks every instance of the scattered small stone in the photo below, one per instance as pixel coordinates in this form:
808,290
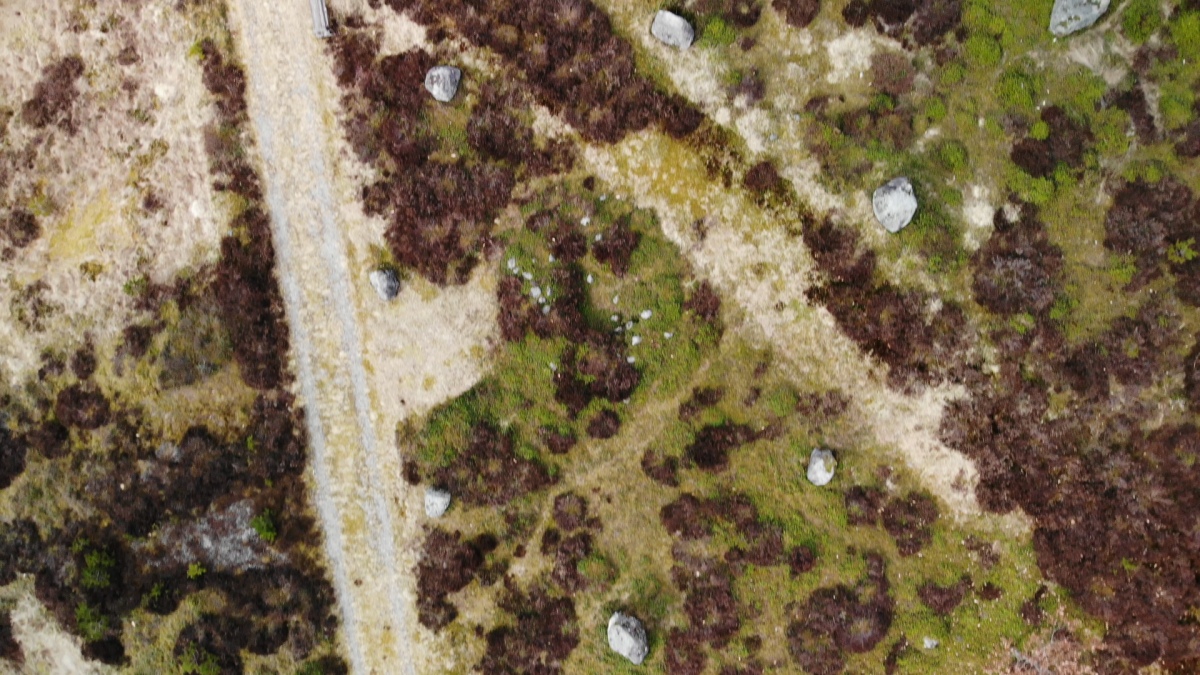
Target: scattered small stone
895,204
672,29
630,359
512,263
628,325
931,643
1070,16
527,275
637,340
821,465
386,283
437,501
615,298
603,198
552,258
668,335
545,309
536,292
597,238
590,279
614,318
442,82
627,637
646,314
585,221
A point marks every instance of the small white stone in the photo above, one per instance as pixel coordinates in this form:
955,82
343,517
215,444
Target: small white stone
603,198
636,340
615,298
597,238
437,501
527,275
585,221
821,465
590,279
931,643
627,637
646,314
536,292
672,29
614,318
554,367
545,309
551,258
630,359
386,283
668,335
628,325
512,263
442,82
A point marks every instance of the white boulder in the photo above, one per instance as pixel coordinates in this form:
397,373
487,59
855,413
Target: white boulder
895,204
627,637
437,501
442,82
821,465
1070,16
672,29
386,283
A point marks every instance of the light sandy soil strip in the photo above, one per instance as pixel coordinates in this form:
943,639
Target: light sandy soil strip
352,498
363,365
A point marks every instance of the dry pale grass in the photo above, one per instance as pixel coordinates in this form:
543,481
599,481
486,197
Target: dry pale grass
139,132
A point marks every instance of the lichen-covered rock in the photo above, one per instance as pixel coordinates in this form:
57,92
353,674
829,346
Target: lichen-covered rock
821,465
672,29
1070,16
442,82
386,283
437,501
627,637
895,204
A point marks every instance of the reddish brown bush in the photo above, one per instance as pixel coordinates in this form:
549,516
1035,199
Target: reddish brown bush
82,408
944,599
225,81
1133,102
20,229
687,517
798,13
1065,145
570,511
489,472
892,73
10,649
761,177
567,556
1146,218
701,398
684,653
864,505
712,445
704,303
1018,269
54,95
604,425
12,458
616,246
709,603
83,362
661,468
840,619
910,520
51,439
251,307
543,635
448,564
558,442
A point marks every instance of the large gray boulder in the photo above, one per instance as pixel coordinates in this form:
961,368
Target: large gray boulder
1070,16
442,82
895,204
627,637
437,501
672,29
821,465
386,283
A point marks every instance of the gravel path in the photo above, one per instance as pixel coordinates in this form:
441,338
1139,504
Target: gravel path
353,497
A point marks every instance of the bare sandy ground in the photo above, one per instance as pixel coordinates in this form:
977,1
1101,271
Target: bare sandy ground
362,365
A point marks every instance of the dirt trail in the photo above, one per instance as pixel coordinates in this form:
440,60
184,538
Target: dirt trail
354,495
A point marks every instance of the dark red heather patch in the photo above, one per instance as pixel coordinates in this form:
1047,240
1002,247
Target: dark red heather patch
572,60
797,13
1064,145
570,511
543,635
604,425
54,95
1018,269
944,599
710,450
488,472
448,564
10,649
616,245
840,619
1146,218
712,609
82,408
12,458
661,468
910,521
